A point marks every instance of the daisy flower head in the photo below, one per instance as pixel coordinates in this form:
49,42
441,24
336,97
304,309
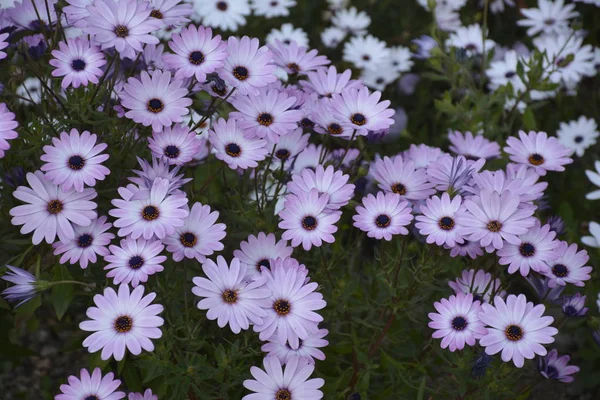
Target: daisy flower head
226,15
289,146
401,177
539,151
379,77
438,220
574,306
578,134
288,34
134,260
31,89
88,241
479,283
568,266
272,8
7,128
469,38
422,155
504,71
268,114
535,251
567,58
472,146
332,36
93,386
308,349
228,296
493,219
197,53
76,11
308,158
516,328
424,46
177,145
554,367
50,210
329,123
233,147
526,178
550,17
307,220
291,382
366,52
290,309
593,176
3,44
159,168
259,251
248,67
327,81
24,289
383,216
155,100
362,111
325,180
352,21
126,319
400,59
32,14
295,59
147,395
467,248
78,61
200,235
125,25
170,12
74,160
149,213
456,322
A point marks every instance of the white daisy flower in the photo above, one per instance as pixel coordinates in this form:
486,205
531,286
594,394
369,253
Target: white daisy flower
286,34
380,77
272,8
226,15
567,58
551,17
352,21
332,36
578,134
469,38
366,52
400,59
504,71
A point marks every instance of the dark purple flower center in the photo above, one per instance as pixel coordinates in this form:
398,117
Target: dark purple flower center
150,213
282,307
295,68
283,394
287,41
552,372
309,223
230,296
78,65
366,57
241,73
379,81
188,239
307,123
274,4
382,221
54,206
334,128
196,57
123,324
494,226
399,188
282,154
156,14
222,5
121,31
570,311
459,323
514,333
446,223
155,106
263,263
527,249
91,397
560,270
358,119
265,119
536,159
84,240
578,139
470,47
509,74
136,262
76,162
233,150
549,21
172,151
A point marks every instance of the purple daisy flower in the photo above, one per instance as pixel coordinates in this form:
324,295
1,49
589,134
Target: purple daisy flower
229,297
554,367
25,287
7,128
155,213
32,14
134,260
3,44
567,265
233,147
449,173
519,180
147,395
280,383
77,11
158,169
51,211
328,123
535,251
123,320
467,248
308,349
267,114
290,309
479,284
124,25
178,145
307,220
248,67
326,82
197,53
289,146
472,146
516,328
457,321
422,155
539,151
362,111
259,251
74,160
383,216
78,61
294,59
325,180
438,221
574,306
88,241
401,177
155,100
199,236
492,218
94,387
171,12
308,158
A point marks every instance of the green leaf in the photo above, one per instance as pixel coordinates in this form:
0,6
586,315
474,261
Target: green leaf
62,294
421,393
132,378
529,120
